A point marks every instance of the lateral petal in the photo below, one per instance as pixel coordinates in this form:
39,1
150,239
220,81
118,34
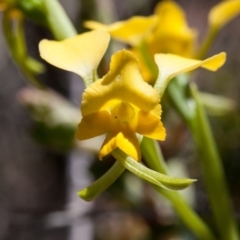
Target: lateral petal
171,65
150,126
130,31
123,138
93,125
80,54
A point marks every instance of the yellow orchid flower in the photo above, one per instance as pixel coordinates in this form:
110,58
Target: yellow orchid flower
166,31
168,23
171,34
121,103
131,31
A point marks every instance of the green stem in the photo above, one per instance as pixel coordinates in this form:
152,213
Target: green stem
58,21
212,167
176,99
188,216
13,33
148,59
213,173
211,36
153,156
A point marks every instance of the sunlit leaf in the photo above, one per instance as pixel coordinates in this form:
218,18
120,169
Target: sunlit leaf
162,180
100,185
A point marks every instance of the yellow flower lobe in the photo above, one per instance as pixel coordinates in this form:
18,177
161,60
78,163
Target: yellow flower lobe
123,112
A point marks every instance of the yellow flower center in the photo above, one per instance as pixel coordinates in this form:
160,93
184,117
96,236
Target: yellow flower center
123,112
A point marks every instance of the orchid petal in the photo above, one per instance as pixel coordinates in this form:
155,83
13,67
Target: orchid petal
130,31
93,125
172,20
150,126
171,65
131,145
123,83
80,54
224,12
125,139
172,34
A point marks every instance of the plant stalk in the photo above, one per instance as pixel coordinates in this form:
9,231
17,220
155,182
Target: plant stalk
214,175
153,156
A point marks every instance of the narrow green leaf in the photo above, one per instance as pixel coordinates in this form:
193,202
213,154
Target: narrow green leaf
162,180
213,172
95,189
